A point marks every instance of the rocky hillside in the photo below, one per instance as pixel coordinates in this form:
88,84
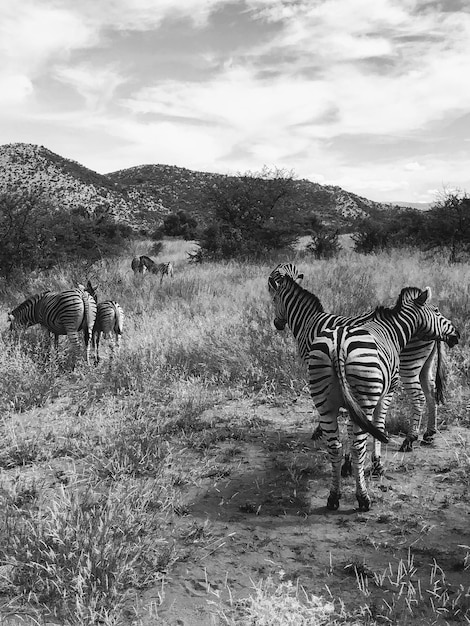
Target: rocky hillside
181,189
69,185
145,194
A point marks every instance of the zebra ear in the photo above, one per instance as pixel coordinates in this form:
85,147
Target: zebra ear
424,297
11,317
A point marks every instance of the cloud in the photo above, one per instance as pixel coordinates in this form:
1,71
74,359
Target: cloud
96,85
414,167
31,34
14,89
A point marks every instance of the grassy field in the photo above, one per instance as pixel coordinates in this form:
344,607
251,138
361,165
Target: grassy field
177,483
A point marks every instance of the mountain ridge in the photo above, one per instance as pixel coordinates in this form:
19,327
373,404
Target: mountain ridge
145,194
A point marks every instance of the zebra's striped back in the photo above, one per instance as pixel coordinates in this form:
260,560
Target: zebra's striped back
64,313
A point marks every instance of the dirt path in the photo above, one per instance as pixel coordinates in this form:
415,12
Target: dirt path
266,517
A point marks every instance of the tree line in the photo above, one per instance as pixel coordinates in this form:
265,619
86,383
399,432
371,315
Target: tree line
247,217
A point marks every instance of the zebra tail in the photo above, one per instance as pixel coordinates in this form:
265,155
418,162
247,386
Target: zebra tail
441,380
356,412
89,316
118,319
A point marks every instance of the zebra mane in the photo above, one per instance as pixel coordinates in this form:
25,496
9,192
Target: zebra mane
34,299
407,294
146,260
307,295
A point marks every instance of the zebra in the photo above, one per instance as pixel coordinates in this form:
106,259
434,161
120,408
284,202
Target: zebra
164,269
358,367
136,266
416,361
109,319
63,313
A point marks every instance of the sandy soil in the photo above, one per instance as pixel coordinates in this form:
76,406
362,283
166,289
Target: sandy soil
267,516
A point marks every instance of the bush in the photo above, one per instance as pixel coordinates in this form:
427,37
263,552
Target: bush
250,216
34,235
180,224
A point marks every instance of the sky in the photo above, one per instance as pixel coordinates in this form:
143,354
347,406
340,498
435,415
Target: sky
369,95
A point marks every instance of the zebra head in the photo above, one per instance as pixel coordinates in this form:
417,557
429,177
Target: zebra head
24,314
283,269
431,323
287,295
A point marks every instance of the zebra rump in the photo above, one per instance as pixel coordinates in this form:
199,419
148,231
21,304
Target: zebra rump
63,313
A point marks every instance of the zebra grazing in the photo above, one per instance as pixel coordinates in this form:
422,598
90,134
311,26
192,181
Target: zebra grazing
64,313
136,266
416,365
358,367
164,269
109,320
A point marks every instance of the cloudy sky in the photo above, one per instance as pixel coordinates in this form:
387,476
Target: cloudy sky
370,95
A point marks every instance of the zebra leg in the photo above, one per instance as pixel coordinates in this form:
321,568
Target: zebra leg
380,413
428,386
95,342
359,449
329,426
413,389
346,468
74,345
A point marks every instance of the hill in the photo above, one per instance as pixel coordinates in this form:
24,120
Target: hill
69,185
143,195
179,188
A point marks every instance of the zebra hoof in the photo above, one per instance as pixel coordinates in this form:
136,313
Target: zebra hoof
428,439
364,503
333,502
407,445
317,433
346,468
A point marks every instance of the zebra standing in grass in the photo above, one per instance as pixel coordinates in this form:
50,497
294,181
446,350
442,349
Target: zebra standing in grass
64,313
358,367
136,266
109,320
416,368
164,269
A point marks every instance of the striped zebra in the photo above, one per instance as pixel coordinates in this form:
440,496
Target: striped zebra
64,313
358,367
164,269
416,367
109,321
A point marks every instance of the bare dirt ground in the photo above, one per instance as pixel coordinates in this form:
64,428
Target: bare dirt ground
265,515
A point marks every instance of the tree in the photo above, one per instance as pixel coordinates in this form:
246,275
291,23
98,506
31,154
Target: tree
251,216
447,226
180,224
324,242
34,234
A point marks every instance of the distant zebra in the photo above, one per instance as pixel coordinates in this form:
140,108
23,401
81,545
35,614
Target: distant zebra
64,313
109,320
416,361
164,269
136,266
358,367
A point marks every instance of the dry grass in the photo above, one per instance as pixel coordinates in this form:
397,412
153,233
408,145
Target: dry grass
90,491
